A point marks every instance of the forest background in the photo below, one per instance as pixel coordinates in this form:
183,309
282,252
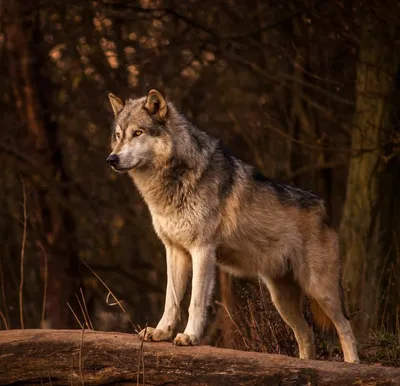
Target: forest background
307,91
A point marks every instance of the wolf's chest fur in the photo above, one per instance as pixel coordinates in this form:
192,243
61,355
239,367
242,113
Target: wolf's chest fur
184,226
181,230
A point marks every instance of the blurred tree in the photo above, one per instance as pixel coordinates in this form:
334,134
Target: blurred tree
361,225
31,97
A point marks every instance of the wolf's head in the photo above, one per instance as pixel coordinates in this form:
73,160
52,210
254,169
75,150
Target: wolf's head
140,138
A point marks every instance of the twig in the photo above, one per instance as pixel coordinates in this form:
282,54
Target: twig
87,312
315,167
3,294
81,358
120,271
287,77
108,301
21,285
83,311
75,315
141,358
105,285
4,320
45,284
142,355
115,298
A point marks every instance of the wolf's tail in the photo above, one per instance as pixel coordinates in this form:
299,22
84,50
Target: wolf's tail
319,316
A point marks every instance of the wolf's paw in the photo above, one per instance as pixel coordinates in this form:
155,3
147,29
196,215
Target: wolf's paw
353,360
185,340
151,334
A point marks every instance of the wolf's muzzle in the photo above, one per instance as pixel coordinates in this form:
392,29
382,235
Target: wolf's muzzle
113,160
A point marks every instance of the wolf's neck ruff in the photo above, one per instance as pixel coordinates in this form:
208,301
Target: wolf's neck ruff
166,185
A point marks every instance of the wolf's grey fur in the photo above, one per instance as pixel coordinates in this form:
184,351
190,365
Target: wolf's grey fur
210,208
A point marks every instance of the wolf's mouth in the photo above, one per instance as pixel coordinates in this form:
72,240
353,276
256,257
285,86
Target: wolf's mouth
121,170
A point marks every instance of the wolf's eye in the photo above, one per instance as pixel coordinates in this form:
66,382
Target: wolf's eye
137,133
117,136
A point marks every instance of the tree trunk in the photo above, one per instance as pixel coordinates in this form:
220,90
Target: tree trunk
359,228
64,357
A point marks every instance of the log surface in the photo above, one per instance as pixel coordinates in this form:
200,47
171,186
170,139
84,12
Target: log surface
65,357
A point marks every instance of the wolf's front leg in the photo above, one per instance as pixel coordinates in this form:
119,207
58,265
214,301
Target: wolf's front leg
178,269
204,262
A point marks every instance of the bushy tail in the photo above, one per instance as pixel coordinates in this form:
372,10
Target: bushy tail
319,316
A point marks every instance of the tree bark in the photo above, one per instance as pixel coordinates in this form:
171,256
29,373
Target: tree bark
359,228
62,357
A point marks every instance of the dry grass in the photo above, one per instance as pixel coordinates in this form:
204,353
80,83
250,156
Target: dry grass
382,348
84,310
255,325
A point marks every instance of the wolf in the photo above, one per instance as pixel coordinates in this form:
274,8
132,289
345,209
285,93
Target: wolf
210,208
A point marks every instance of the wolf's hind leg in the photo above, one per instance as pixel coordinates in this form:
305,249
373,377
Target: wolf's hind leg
287,297
324,286
327,293
178,270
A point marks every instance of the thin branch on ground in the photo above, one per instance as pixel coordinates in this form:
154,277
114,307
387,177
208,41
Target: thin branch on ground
115,298
81,357
141,359
45,278
21,285
86,309
76,318
3,294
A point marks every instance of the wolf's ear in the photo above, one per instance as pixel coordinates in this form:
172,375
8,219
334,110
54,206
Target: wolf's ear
156,105
116,103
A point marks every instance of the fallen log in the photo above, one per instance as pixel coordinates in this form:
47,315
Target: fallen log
65,357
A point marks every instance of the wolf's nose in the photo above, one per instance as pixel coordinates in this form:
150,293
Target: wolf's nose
112,160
